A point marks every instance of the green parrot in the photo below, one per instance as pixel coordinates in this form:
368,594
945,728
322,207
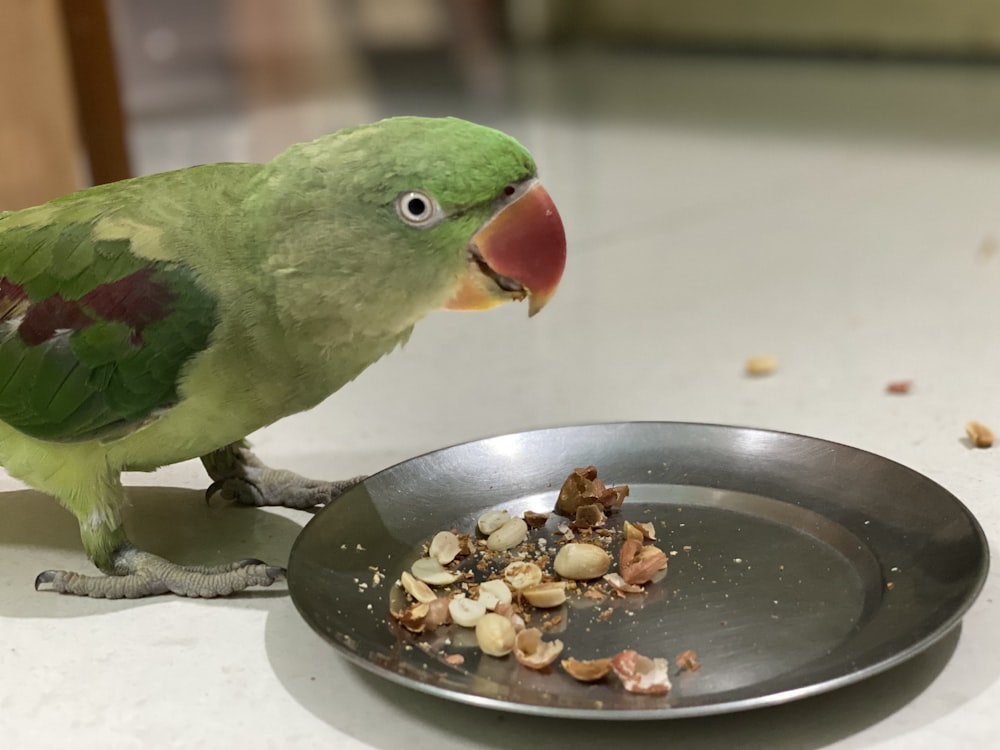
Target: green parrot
166,317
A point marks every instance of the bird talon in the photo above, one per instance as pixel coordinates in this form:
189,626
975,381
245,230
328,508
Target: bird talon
212,489
46,576
230,488
138,574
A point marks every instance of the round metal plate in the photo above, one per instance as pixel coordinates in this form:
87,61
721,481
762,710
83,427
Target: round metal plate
800,565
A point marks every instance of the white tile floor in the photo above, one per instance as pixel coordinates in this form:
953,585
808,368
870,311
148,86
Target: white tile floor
843,217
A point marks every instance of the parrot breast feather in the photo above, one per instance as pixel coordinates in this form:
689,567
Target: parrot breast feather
92,337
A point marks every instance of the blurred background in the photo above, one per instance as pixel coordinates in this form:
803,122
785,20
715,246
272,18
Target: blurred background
806,178
96,90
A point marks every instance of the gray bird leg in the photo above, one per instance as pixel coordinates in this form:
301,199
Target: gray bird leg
240,476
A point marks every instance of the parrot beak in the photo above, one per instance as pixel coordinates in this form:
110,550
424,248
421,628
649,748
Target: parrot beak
519,252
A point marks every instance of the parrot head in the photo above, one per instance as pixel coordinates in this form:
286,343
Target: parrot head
453,213
518,252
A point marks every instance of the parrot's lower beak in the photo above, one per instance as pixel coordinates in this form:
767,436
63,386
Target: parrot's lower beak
520,252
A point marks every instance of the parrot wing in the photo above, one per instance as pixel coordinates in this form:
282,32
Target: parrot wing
93,337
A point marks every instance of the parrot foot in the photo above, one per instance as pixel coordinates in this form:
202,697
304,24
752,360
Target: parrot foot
240,476
138,574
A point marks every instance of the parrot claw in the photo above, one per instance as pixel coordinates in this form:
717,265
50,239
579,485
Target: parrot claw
139,574
240,476
46,576
217,487
210,492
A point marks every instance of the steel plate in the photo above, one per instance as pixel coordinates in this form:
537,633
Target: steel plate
800,566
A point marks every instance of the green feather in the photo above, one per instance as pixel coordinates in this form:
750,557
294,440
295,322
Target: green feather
79,383
103,343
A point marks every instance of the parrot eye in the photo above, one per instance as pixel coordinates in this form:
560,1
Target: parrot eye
417,208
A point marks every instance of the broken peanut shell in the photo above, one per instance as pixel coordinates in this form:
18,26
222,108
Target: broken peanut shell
533,652
586,670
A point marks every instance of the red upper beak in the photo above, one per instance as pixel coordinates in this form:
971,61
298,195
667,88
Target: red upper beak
520,252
